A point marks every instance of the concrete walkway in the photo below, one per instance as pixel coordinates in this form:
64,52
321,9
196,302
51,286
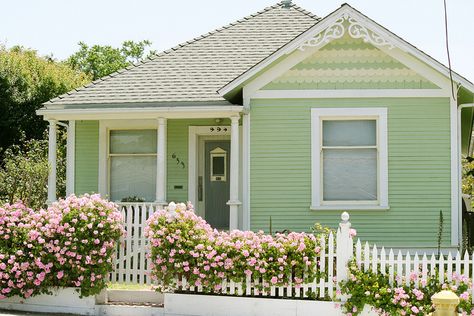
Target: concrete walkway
14,313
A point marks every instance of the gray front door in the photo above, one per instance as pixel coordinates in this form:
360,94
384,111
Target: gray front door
216,183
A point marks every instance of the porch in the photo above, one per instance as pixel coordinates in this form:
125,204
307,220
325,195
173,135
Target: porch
158,155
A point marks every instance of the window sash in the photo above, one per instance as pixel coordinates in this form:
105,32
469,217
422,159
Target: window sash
349,147
139,156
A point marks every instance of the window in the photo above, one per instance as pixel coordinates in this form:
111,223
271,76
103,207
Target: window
349,158
218,164
132,164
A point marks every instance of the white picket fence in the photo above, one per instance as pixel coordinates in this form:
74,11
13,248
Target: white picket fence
131,264
403,268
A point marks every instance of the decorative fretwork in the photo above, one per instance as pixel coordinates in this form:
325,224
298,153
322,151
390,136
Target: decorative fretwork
337,30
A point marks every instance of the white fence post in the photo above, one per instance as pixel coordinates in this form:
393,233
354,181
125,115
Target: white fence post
344,248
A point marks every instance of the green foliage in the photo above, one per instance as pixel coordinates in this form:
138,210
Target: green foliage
24,174
374,289
26,81
468,176
102,60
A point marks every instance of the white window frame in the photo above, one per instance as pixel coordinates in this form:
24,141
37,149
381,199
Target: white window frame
110,155
318,115
105,126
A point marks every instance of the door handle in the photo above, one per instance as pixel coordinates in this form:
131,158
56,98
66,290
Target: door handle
200,188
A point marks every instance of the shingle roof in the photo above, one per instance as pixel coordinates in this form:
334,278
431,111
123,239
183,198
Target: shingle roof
195,70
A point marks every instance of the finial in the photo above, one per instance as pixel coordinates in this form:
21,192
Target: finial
345,217
286,3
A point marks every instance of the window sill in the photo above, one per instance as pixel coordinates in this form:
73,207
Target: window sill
349,208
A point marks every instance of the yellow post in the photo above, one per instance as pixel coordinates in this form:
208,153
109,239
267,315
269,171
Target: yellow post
445,303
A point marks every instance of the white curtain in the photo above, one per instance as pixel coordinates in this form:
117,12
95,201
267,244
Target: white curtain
133,164
349,174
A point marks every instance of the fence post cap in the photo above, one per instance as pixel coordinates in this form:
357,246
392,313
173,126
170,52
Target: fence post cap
345,217
444,299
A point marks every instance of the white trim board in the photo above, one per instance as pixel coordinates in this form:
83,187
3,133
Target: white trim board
382,145
142,113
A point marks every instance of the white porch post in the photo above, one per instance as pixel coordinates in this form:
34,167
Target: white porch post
52,162
161,163
234,174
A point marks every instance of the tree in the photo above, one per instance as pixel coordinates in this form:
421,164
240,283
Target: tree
26,81
102,60
24,174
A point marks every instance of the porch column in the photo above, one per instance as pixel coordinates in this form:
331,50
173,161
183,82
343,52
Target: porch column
234,174
52,162
161,163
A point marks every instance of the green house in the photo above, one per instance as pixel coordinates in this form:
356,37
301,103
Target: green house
280,115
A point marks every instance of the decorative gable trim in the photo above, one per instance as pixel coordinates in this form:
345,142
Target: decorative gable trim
360,27
346,24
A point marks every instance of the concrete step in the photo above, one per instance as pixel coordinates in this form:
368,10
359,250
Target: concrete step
135,297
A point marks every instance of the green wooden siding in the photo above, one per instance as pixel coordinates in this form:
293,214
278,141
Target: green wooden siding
419,169
86,157
349,63
178,134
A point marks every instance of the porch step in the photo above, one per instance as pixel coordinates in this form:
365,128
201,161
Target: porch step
135,297
122,309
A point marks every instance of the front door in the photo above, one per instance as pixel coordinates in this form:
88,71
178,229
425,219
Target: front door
216,182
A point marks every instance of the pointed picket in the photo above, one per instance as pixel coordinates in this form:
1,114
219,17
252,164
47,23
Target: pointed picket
240,290
232,287
407,268
416,268
248,285
399,268
322,268
374,259
366,257
424,268
330,264
382,261
358,254
391,264
441,268
184,283
224,286
458,267
466,265
433,265
450,267
289,288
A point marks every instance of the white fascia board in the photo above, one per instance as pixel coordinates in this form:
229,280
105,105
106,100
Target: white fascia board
142,113
328,21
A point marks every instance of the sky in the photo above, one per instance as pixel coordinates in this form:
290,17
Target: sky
56,26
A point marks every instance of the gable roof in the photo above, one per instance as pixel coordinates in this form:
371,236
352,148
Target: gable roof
195,70
325,23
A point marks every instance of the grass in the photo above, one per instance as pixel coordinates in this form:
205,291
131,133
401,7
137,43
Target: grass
130,287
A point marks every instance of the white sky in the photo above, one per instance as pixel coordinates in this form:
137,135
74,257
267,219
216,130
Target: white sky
55,26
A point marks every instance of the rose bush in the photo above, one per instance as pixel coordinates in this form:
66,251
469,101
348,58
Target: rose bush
69,244
184,245
374,289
